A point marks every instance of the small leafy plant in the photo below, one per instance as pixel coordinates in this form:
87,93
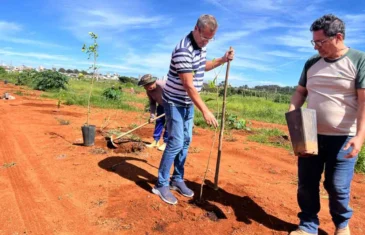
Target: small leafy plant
235,123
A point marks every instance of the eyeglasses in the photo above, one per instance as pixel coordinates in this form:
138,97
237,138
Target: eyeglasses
320,43
204,38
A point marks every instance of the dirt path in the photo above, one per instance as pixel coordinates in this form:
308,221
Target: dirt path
51,184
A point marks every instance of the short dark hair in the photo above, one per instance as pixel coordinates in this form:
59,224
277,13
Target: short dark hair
330,24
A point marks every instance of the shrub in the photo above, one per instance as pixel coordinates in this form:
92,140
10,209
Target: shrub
112,93
70,101
26,78
229,92
124,79
48,80
129,85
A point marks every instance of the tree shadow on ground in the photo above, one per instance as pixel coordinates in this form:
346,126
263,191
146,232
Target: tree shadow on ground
245,208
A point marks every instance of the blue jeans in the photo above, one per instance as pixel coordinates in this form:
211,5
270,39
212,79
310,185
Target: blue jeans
338,176
179,123
160,125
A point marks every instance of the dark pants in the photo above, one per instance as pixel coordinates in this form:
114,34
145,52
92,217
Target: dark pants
160,125
338,173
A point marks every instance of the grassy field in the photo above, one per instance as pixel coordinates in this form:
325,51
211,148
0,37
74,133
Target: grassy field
78,91
244,108
248,108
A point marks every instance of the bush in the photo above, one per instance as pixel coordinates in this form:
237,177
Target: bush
26,78
48,80
229,92
129,85
112,93
124,79
70,101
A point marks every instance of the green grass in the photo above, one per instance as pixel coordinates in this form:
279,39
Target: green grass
360,164
18,93
254,108
78,91
272,137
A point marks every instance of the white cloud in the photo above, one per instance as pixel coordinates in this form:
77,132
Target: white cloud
249,64
9,32
9,27
112,20
33,55
108,18
283,53
307,50
292,41
218,4
155,63
31,42
232,36
245,5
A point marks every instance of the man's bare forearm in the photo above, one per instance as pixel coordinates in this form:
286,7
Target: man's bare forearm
298,98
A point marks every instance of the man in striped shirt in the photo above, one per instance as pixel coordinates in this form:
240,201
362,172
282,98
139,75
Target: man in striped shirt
181,93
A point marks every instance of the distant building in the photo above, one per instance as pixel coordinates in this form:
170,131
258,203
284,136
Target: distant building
40,68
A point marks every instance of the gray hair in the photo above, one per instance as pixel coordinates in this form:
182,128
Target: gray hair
207,21
330,24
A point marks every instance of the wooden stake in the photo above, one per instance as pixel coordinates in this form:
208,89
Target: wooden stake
223,117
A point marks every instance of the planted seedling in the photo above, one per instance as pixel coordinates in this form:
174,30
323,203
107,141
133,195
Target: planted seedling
88,131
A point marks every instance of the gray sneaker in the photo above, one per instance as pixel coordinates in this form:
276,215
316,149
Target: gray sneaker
181,188
300,232
165,194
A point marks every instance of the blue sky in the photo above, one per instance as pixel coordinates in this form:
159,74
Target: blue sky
271,37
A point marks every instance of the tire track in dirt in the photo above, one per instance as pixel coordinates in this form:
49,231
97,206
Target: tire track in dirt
23,193
33,187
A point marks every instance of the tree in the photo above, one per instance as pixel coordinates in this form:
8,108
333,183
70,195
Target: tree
76,71
69,71
2,70
61,70
84,72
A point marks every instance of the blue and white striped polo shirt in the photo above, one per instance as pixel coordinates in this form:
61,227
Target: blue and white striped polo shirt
187,57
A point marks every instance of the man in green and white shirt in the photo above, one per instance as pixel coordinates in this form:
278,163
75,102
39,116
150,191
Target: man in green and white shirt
333,83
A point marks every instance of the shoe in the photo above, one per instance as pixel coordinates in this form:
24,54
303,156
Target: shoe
343,231
153,144
165,194
162,147
300,232
181,188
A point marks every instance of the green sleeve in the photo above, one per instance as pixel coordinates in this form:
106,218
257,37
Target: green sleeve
308,64
360,76
358,60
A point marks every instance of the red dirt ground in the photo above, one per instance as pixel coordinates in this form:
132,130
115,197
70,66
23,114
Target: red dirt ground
51,184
